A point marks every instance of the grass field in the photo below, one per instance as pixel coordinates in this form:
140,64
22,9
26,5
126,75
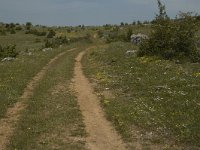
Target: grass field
153,101
15,75
159,98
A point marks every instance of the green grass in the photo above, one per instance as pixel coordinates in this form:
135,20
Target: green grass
22,41
159,97
52,119
16,74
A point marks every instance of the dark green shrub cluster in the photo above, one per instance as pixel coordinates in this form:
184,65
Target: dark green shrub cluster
12,31
100,33
8,51
18,28
2,32
28,25
172,39
116,35
36,32
51,34
55,42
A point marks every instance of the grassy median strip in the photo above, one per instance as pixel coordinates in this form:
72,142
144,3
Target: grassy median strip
15,75
159,97
52,119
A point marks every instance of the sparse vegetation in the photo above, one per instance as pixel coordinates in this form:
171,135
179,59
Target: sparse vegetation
157,96
51,34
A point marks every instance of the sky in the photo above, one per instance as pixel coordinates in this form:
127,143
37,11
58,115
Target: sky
88,12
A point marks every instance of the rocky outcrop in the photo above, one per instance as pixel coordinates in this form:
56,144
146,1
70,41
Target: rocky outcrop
137,38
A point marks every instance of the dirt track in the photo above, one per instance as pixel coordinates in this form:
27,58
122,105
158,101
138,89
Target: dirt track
102,135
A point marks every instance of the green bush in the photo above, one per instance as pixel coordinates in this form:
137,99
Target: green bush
12,31
8,51
2,32
51,34
172,39
28,25
18,28
55,42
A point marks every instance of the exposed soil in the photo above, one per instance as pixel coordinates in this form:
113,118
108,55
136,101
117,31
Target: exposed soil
102,135
7,124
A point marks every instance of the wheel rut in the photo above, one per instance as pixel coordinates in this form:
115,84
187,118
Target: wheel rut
8,123
101,134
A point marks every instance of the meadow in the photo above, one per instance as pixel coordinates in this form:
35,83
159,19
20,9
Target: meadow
147,99
158,98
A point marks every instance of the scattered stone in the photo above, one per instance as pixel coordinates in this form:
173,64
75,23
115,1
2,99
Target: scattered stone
47,49
161,87
29,53
131,52
8,59
137,38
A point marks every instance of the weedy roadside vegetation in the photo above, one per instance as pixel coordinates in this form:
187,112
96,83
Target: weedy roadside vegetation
159,97
156,95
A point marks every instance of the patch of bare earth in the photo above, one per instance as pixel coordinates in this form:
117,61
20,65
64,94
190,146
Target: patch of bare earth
8,123
102,135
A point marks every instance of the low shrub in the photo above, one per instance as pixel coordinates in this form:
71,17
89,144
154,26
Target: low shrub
172,39
8,51
12,31
55,42
18,28
51,34
2,32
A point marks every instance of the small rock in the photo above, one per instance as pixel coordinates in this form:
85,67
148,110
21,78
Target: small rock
131,52
8,59
29,53
47,49
137,38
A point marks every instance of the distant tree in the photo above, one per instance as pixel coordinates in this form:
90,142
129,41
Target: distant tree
12,25
28,25
83,27
7,25
126,24
122,24
146,22
139,22
133,23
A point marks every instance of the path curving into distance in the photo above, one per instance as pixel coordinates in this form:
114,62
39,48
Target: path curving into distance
102,136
